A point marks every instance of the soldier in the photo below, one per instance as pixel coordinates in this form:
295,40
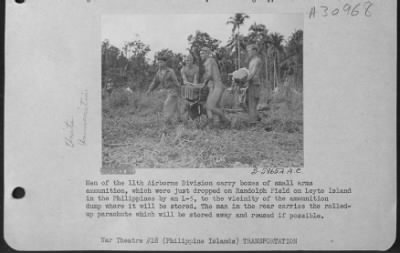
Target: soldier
190,74
168,80
213,77
190,71
108,88
254,80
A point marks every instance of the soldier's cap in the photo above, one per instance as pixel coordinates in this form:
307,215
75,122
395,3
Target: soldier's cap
252,47
162,58
205,50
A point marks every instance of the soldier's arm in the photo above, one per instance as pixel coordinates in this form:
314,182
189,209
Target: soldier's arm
174,78
252,71
196,75
207,71
184,76
253,66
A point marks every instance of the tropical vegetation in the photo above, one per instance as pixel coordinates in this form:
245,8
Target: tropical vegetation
282,57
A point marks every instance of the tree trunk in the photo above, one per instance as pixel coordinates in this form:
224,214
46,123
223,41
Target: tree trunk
238,46
238,49
278,71
267,86
266,70
274,76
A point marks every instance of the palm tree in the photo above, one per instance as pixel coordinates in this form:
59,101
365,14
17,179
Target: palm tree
275,52
236,21
236,43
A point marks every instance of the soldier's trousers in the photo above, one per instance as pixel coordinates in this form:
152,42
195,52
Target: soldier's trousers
254,97
171,108
214,98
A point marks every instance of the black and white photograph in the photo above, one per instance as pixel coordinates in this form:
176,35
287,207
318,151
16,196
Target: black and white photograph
201,91
202,125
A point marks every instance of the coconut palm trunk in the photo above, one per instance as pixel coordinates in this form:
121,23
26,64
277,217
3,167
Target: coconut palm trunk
265,56
276,72
273,75
237,20
238,46
266,72
238,51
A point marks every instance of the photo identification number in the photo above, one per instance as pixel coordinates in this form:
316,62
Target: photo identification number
273,171
359,9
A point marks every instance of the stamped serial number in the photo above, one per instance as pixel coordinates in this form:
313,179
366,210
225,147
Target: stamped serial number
273,171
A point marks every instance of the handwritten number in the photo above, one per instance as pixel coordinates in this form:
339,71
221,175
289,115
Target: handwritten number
325,11
367,13
355,12
312,13
347,8
335,12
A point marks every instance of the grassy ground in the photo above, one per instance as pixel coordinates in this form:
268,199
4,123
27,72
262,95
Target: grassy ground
132,136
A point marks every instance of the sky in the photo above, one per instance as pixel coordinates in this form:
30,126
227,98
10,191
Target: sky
171,30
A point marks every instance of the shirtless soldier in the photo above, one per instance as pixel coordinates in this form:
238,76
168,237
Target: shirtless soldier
190,72
213,77
190,76
167,78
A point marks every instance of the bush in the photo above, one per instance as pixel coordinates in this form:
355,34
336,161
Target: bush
148,104
118,98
